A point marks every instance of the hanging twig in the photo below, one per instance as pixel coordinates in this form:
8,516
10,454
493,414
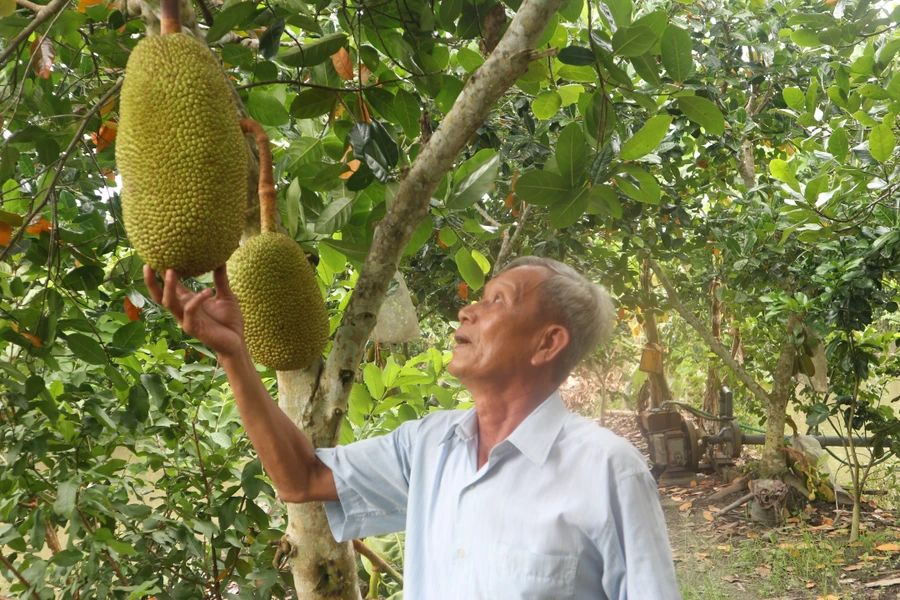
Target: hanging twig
48,191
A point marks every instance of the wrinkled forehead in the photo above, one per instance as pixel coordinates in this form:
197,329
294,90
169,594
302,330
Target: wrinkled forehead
522,282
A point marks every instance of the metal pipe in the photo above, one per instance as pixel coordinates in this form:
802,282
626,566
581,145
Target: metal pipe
759,439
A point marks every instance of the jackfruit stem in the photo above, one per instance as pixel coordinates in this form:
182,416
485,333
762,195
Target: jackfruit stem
169,17
268,204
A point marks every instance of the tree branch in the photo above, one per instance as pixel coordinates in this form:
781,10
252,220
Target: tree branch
42,15
503,67
48,191
510,240
376,560
35,8
18,575
715,345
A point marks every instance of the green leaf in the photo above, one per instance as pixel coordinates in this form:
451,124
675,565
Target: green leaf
239,13
451,87
882,143
250,481
794,98
475,184
313,53
138,403
603,200
383,103
676,53
806,38
647,67
621,11
633,41
470,269
482,261
541,188
65,498
839,144
546,104
818,414
373,380
408,113
647,139
86,349
447,236
153,383
448,13
569,94
576,55
704,113
568,210
68,557
469,59
571,155
334,216
419,237
130,335
781,170
638,184
267,109
312,103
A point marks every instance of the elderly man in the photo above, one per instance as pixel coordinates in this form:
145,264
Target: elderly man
515,499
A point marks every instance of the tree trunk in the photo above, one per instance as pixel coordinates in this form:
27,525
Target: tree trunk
659,386
711,394
316,399
772,464
322,568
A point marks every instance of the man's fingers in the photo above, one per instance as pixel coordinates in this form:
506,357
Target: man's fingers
171,299
220,278
152,284
191,308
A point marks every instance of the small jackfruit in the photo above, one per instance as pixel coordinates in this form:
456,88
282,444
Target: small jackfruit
285,318
182,157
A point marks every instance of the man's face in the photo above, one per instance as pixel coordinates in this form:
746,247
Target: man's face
498,336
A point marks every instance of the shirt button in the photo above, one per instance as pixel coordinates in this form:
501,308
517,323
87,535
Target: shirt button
461,553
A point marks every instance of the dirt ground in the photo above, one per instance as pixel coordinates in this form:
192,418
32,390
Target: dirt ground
732,558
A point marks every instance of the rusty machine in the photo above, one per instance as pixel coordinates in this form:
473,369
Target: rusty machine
678,448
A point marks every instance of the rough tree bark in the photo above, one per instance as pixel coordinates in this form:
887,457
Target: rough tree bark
659,385
317,401
772,463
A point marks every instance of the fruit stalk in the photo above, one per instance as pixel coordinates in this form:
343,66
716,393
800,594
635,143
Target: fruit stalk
267,198
169,17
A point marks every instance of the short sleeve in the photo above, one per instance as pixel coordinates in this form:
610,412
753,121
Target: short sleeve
372,480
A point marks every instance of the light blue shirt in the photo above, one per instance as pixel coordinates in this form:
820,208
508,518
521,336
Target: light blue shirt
563,509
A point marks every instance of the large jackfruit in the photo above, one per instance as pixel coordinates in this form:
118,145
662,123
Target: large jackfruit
285,318
182,157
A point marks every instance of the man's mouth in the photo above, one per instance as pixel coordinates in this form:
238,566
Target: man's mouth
461,340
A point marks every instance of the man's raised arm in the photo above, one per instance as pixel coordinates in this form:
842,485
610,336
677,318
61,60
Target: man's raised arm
289,458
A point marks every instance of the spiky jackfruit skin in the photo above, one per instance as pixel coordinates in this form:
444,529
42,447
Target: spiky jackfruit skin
182,157
285,318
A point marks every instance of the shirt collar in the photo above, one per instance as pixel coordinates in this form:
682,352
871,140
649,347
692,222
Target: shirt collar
533,437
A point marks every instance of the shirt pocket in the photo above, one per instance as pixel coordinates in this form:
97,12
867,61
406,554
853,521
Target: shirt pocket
524,575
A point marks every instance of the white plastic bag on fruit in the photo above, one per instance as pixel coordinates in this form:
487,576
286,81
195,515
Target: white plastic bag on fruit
397,319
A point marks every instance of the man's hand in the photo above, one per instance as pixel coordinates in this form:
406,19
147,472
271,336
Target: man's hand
215,321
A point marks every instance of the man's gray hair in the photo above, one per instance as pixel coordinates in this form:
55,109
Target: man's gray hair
581,306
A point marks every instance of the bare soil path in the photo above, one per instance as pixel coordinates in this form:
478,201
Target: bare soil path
732,558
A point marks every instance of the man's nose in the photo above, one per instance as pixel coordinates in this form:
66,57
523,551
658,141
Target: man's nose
466,313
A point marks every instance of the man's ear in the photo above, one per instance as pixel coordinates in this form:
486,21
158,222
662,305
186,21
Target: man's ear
553,341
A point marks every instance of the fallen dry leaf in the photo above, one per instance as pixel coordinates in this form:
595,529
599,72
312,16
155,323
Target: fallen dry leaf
686,506
888,548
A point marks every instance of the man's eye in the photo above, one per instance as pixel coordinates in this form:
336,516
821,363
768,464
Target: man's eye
497,299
